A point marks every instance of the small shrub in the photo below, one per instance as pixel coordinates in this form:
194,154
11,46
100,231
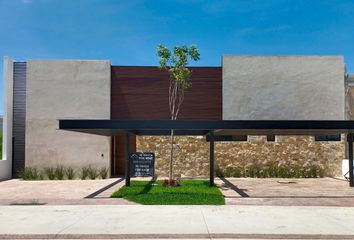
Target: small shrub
59,172
252,172
313,171
219,172
321,172
262,173
228,172
272,171
84,173
171,183
236,172
35,202
29,173
50,172
70,173
103,172
281,172
296,173
92,173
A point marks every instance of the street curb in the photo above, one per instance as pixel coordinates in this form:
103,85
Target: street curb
174,236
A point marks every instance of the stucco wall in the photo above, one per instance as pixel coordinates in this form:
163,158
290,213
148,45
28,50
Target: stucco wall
66,89
5,169
191,155
283,87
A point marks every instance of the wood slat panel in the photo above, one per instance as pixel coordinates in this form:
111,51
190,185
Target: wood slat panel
19,117
142,93
119,154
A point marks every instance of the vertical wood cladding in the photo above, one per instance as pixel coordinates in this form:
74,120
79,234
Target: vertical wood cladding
142,93
119,154
19,117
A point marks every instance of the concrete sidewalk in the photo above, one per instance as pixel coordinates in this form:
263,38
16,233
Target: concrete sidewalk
186,222
237,191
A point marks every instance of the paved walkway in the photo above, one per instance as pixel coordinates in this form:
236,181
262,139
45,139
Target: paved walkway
194,222
288,192
59,192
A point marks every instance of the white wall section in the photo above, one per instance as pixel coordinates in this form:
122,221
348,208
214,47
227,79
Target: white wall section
6,162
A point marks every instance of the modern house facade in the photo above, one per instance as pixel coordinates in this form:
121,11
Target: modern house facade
39,92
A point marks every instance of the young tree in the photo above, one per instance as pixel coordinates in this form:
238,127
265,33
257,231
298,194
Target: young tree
176,62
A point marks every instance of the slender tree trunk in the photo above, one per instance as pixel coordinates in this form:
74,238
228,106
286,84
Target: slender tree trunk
176,97
171,159
173,92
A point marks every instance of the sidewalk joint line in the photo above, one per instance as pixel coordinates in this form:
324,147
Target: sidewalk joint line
206,225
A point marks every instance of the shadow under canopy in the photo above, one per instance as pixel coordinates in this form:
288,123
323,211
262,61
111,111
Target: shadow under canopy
213,128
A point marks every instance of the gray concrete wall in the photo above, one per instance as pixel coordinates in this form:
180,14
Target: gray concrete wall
66,89
283,87
6,162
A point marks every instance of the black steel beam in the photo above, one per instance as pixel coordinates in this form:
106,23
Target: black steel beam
127,165
350,157
131,125
225,127
164,132
211,154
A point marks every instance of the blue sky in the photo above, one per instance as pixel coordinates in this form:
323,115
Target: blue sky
127,32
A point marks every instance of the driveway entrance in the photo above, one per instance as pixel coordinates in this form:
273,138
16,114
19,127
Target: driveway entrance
287,191
60,192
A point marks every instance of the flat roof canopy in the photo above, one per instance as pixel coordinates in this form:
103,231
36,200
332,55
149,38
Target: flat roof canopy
200,127
223,127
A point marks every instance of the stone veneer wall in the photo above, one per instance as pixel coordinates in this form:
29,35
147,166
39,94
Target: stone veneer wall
192,153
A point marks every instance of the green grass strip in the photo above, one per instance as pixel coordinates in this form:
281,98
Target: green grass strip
192,192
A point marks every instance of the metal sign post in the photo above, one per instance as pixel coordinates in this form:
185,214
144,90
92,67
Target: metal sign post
350,156
142,164
127,164
211,153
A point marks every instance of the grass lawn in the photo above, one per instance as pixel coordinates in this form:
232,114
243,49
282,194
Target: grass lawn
192,192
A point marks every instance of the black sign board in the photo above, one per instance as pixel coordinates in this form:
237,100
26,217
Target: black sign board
142,164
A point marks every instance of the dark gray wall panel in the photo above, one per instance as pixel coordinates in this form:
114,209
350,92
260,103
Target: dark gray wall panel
19,117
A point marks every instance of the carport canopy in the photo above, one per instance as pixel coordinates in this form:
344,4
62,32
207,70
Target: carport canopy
213,128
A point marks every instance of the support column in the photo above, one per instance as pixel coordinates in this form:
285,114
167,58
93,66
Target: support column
127,165
211,154
350,157
114,156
